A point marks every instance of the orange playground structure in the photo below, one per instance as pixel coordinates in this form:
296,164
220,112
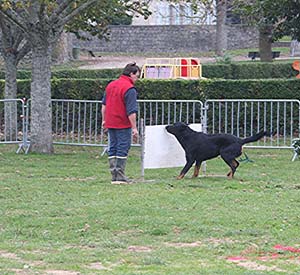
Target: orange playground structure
164,68
296,67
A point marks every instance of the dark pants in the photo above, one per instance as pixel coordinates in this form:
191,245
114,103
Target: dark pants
119,142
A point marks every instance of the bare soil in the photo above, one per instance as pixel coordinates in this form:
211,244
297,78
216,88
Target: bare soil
111,62
119,61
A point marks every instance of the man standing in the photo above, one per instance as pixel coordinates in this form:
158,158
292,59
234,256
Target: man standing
119,108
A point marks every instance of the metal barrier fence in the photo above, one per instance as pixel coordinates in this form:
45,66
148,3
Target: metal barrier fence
246,117
162,112
78,122
12,122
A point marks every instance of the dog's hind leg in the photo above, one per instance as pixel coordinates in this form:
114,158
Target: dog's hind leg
196,169
232,163
229,154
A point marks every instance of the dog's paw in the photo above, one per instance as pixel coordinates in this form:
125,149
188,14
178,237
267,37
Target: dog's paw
180,177
230,175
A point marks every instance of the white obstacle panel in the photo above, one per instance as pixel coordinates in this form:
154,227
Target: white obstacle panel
162,150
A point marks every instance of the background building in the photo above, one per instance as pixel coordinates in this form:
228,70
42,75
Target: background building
166,13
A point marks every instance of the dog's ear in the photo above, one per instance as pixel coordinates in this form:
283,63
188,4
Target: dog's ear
177,124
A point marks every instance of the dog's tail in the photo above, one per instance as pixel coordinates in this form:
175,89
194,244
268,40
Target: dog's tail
255,137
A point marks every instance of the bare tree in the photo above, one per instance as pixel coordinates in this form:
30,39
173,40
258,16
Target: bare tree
62,51
13,47
221,31
42,23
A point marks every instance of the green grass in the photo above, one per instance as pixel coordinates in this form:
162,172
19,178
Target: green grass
285,38
60,212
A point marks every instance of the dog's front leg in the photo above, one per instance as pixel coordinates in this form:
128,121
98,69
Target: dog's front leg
181,176
185,169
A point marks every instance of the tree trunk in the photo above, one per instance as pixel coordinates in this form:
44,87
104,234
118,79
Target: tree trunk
221,32
62,52
41,140
10,92
265,43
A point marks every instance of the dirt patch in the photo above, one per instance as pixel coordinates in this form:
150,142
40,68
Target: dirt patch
111,62
136,248
114,61
21,271
61,272
193,244
98,266
8,255
80,179
252,265
259,267
220,241
295,261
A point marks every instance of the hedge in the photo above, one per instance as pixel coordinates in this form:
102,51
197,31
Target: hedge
93,89
249,70
80,74
85,89
220,89
240,70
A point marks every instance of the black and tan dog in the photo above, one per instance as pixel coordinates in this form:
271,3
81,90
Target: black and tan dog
199,147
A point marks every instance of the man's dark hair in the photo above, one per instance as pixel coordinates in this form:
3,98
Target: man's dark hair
131,68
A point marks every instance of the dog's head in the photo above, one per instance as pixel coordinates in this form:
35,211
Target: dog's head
177,128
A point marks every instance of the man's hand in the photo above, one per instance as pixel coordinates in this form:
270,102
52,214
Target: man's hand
103,126
135,134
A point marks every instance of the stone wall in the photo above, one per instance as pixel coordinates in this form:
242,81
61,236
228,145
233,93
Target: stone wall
168,39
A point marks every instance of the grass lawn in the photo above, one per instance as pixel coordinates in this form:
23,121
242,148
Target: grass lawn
60,215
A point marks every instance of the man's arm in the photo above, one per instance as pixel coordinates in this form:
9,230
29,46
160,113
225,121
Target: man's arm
132,119
103,110
131,109
103,115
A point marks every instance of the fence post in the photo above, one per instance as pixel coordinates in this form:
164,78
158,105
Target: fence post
204,127
25,145
142,137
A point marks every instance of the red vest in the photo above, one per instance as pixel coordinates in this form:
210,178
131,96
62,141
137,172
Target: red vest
115,111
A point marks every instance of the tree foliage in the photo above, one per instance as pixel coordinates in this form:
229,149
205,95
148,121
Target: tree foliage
282,16
95,20
202,9
273,18
42,22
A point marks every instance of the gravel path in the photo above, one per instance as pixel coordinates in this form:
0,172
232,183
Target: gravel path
110,62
